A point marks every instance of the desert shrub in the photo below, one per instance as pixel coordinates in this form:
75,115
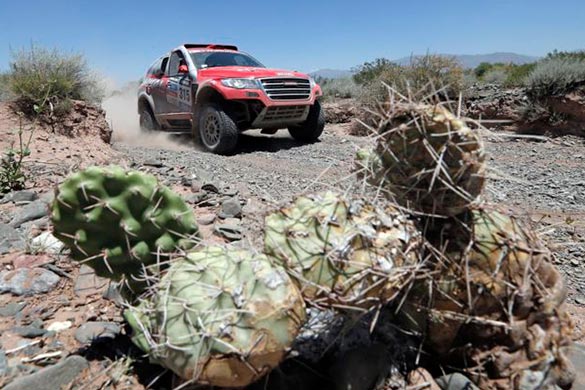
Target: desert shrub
482,69
555,76
39,75
495,76
517,74
4,87
339,88
425,73
371,71
571,55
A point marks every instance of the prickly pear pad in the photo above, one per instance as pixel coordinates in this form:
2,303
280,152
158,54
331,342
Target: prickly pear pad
219,316
119,222
432,161
343,252
495,302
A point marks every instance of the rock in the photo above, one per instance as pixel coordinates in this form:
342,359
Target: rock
59,326
28,281
46,243
231,232
196,198
11,309
231,208
4,368
206,219
29,331
20,197
89,331
112,293
455,381
232,221
30,212
422,379
10,239
23,260
88,283
153,162
52,377
576,354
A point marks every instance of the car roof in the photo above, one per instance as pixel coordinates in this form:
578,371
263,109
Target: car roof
208,46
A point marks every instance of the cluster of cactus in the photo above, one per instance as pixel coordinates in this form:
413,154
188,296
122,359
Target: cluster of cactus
121,223
475,285
489,301
343,252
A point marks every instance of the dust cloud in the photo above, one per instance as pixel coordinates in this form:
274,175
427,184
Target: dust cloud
122,115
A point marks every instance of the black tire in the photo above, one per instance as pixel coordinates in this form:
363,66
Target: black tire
147,120
312,128
216,131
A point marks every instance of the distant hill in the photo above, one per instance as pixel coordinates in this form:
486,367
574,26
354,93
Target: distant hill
473,60
466,61
331,73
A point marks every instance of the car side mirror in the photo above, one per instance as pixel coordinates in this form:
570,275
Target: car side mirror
183,69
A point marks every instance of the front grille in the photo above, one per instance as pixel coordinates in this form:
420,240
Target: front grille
287,88
284,113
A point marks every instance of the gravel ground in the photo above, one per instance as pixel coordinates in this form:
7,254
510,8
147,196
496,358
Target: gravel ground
541,180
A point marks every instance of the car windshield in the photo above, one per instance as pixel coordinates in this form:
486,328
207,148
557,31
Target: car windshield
212,59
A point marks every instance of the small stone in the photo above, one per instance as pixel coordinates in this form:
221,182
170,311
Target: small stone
89,331
196,185
10,239
231,208
20,197
59,326
580,299
455,381
196,198
232,221
28,281
30,212
231,232
153,162
576,354
11,309
88,283
30,331
30,261
4,368
46,243
52,377
206,219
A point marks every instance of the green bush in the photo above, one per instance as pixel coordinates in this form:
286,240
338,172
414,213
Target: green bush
555,76
495,76
39,75
371,71
517,74
425,74
572,55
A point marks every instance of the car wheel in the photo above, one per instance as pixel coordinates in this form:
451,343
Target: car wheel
217,131
147,120
312,128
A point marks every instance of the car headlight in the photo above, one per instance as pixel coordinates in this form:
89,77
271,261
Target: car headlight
241,83
312,82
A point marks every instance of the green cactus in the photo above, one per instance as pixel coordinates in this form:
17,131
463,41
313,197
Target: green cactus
368,166
494,300
343,252
219,316
431,161
120,222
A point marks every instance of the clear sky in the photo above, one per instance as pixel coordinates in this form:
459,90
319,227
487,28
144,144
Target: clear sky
120,38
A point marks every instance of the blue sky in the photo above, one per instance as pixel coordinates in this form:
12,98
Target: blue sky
120,38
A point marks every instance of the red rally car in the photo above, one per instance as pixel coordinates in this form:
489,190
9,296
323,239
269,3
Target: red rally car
219,91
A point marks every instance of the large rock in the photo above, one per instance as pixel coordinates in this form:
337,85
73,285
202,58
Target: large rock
89,331
28,281
30,212
88,283
19,197
52,377
10,239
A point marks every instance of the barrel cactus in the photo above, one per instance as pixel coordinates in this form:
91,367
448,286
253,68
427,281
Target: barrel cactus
343,252
219,316
431,161
493,303
121,222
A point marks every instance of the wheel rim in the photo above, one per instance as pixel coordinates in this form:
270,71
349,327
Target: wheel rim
146,121
210,132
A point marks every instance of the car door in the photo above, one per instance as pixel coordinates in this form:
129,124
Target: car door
178,90
158,86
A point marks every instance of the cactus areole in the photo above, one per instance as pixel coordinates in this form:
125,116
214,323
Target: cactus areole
222,317
121,222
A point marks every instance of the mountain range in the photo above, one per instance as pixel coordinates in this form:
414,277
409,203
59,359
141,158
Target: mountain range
465,60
